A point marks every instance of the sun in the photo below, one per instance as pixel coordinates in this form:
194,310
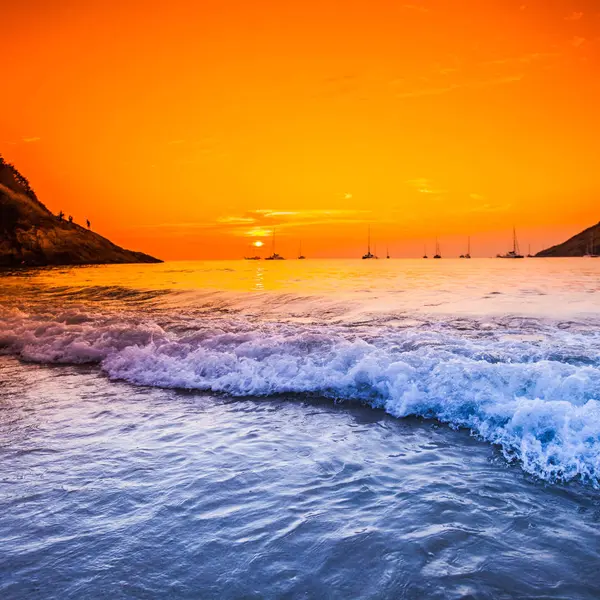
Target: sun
258,244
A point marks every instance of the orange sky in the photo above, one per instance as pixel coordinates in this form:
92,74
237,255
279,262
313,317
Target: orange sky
190,128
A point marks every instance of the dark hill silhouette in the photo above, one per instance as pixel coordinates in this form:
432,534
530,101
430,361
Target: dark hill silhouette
30,235
578,245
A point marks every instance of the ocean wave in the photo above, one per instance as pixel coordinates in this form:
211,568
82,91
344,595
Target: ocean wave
536,396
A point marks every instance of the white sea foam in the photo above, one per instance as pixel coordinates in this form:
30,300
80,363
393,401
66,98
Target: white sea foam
532,389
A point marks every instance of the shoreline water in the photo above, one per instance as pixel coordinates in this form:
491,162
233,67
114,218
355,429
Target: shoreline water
138,492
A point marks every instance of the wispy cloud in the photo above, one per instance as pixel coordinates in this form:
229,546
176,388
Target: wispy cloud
416,7
257,232
260,222
307,213
420,182
476,197
525,59
578,41
236,220
574,16
29,140
425,186
435,91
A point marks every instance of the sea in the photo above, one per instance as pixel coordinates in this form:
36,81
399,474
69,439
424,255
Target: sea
301,429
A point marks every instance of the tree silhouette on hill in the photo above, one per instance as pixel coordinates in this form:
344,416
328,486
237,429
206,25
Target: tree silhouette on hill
19,179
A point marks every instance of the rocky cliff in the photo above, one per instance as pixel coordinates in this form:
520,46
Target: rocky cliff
30,235
580,244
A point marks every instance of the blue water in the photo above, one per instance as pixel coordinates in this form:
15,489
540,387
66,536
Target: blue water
175,431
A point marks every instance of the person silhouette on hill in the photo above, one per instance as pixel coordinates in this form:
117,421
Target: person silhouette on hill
89,225
61,214
70,218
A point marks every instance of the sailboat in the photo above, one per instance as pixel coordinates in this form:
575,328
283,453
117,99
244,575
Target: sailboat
529,255
591,247
437,250
300,255
274,255
468,254
425,251
368,254
514,253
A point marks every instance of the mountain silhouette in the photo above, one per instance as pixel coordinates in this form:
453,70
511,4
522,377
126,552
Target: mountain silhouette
583,243
30,235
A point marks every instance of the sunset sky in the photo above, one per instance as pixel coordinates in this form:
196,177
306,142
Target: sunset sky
189,129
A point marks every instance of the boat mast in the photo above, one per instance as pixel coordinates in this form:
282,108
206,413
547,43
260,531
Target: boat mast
273,242
590,243
369,241
515,243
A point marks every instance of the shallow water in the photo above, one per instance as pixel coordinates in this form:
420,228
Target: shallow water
110,490
166,430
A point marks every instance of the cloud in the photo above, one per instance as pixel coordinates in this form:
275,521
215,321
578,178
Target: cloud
175,142
29,140
236,220
525,59
476,197
574,16
421,181
578,41
258,232
270,213
260,222
435,91
308,213
425,186
416,7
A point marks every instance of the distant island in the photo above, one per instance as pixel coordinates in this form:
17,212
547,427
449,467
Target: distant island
584,243
30,235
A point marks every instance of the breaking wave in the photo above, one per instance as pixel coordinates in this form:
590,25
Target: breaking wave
532,389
